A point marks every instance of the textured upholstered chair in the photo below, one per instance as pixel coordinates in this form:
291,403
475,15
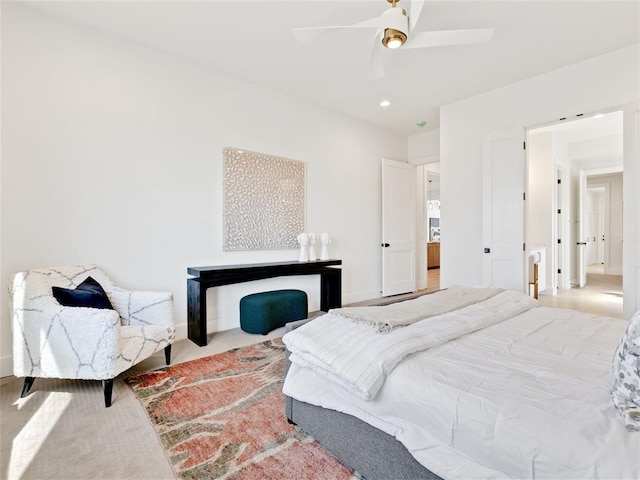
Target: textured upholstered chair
55,341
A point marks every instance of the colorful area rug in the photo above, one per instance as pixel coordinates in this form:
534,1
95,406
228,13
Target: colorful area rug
222,417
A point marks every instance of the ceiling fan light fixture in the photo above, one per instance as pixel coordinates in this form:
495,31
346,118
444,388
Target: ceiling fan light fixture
393,38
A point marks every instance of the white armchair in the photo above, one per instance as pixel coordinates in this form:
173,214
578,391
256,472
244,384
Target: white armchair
54,341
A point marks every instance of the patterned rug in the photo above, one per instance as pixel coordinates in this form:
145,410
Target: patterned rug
222,417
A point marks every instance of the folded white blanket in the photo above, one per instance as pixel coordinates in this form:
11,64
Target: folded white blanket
385,318
356,357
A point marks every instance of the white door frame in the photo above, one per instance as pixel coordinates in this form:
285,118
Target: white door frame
581,241
631,210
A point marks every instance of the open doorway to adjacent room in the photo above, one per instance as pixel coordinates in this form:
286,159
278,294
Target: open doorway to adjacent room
574,211
432,223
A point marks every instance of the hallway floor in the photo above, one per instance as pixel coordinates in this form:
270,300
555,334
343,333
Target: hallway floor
601,295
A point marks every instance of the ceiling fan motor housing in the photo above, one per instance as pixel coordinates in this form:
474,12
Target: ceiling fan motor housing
395,18
395,26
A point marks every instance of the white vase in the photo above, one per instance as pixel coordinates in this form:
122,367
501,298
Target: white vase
324,253
312,247
304,254
303,240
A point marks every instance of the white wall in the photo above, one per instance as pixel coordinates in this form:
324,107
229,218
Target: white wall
112,154
599,83
424,147
597,152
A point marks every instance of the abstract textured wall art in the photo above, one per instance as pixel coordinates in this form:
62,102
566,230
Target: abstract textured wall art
264,201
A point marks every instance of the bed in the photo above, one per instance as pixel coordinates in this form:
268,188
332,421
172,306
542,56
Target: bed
518,391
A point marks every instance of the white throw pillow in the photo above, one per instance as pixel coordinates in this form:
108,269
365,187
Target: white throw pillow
625,390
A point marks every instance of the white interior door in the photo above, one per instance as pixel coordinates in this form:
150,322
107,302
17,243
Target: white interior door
590,226
601,231
398,227
581,244
503,210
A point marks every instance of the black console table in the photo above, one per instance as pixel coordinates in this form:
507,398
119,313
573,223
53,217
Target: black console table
216,276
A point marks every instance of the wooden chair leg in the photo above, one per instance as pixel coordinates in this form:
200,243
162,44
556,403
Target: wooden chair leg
167,354
107,386
28,383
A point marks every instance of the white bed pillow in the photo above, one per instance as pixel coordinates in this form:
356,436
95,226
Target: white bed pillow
625,390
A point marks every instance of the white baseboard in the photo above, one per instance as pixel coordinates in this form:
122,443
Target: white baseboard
360,296
6,366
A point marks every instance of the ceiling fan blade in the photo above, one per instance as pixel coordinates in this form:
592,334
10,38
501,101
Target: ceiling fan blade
449,37
376,67
414,13
307,34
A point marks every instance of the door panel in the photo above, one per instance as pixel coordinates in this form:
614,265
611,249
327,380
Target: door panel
503,210
398,227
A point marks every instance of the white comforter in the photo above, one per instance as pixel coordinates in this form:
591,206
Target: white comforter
356,357
524,398
386,318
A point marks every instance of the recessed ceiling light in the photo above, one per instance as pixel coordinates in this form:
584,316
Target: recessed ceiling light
598,115
385,103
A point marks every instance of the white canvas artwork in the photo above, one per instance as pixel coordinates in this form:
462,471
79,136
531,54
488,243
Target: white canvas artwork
264,201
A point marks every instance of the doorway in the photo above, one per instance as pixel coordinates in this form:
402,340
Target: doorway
432,223
574,209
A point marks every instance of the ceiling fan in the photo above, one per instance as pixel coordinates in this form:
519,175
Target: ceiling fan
395,29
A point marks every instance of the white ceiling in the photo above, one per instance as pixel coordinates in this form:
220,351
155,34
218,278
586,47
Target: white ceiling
252,41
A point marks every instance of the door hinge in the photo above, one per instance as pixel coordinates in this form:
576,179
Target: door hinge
524,196
559,181
524,145
524,248
559,240
559,211
559,271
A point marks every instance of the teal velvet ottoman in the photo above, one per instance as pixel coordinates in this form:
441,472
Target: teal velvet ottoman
266,311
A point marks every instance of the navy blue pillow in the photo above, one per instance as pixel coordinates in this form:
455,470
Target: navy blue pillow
88,294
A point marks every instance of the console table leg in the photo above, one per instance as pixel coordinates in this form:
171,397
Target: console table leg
330,289
196,312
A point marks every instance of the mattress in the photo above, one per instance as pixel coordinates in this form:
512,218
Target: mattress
527,397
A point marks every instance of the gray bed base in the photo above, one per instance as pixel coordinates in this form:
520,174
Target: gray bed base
372,453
